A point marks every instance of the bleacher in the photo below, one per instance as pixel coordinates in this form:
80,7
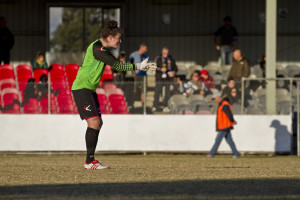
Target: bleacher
13,82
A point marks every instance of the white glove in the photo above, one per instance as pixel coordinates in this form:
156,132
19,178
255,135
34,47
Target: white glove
145,66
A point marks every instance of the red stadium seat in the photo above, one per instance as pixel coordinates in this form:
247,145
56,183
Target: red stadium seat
38,73
109,86
31,107
7,83
71,71
7,66
104,107
119,109
114,91
65,103
7,72
100,91
24,73
59,85
10,98
107,74
44,105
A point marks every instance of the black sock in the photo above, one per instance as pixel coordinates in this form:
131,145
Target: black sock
91,139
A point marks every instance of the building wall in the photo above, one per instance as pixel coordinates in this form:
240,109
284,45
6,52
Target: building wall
188,35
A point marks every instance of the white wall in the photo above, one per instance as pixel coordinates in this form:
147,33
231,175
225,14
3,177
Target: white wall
142,133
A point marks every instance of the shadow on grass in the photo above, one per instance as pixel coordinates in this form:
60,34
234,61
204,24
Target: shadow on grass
190,189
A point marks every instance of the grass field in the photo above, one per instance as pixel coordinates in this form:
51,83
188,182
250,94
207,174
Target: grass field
154,176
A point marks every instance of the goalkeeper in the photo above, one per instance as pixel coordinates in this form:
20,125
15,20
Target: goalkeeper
97,56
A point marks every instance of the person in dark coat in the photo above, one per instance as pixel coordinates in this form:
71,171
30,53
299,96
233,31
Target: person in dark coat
6,42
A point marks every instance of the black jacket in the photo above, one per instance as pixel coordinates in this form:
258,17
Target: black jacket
6,39
169,63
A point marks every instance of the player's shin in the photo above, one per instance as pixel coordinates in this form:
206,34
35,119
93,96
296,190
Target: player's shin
91,139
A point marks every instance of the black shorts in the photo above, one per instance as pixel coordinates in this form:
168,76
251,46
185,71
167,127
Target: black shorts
87,103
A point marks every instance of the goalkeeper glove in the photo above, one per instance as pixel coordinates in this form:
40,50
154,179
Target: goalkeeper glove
145,66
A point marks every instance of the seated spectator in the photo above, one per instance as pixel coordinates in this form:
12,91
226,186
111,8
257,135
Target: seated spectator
206,79
30,91
227,90
262,64
194,86
40,62
42,87
178,86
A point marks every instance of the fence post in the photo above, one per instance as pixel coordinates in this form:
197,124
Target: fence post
145,92
49,94
298,120
243,93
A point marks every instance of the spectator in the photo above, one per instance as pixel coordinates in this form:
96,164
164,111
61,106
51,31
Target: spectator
262,64
206,79
228,35
30,91
7,41
240,67
178,86
43,89
120,76
165,75
225,122
140,76
39,62
233,96
194,86
227,90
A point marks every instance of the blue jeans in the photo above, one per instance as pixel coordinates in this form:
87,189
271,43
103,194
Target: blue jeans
226,52
220,136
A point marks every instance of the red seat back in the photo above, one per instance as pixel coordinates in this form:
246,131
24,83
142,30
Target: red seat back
38,73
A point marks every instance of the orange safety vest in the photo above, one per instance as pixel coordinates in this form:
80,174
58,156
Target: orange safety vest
223,121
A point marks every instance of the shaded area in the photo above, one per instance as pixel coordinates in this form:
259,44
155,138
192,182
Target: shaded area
282,137
190,189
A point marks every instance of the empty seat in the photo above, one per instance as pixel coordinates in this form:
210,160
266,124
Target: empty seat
31,107
38,73
11,102
7,83
119,109
57,73
7,72
109,86
7,66
44,105
71,72
100,91
65,103
24,73
114,91
212,69
292,70
107,74
174,99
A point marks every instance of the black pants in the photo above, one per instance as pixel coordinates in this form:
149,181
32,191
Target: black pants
4,56
158,91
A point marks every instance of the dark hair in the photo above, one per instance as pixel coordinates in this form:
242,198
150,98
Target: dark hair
43,78
111,28
38,54
227,18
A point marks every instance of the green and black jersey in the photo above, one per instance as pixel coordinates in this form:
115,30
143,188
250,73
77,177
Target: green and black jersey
95,60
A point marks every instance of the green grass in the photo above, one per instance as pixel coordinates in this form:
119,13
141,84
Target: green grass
154,176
